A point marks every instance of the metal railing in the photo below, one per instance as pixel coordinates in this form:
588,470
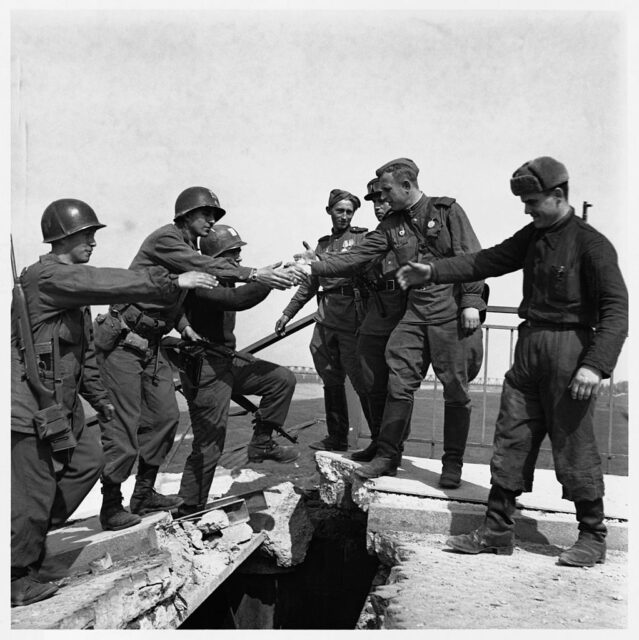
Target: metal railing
615,462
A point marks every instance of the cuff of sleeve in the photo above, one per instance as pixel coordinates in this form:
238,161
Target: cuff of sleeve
472,300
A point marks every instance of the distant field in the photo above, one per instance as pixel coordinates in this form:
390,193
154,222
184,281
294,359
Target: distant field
308,405
428,418
428,413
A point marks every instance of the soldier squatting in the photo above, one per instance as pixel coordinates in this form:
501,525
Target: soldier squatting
392,301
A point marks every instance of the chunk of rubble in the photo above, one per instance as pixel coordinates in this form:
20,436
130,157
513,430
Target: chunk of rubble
286,525
213,522
339,484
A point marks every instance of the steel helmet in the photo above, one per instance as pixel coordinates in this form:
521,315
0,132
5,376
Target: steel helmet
221,238
65,217
196,197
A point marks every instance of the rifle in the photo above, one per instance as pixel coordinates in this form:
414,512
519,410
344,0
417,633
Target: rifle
43,394
50,421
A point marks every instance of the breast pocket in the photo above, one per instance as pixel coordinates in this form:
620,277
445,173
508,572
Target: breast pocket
564,283
404,247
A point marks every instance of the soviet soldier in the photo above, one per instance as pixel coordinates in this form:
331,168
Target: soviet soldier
440,324
225,372
575,321
385,309
340,310
55,460
135,371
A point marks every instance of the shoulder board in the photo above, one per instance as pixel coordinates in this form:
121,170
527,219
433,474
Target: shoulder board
444,201
325,238
359,230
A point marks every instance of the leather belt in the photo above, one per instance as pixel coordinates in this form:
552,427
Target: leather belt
346,290
556,326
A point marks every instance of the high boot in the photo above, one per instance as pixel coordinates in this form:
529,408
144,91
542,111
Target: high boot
145,499
262,447
397,415
496,534
376,403
456,425
590,548
113,516
336,420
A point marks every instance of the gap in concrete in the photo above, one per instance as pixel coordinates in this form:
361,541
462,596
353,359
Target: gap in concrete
328,590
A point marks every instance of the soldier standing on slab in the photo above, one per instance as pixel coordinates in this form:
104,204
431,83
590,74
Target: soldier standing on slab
341,308
225,372
135,371
386,306
441,325
575,312
55,460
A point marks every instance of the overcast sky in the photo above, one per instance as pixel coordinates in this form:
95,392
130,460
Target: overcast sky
273,109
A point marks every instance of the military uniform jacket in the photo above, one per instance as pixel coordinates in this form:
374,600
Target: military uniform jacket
211,312
56,295
431,229
387,301
168,247
335,310
571,276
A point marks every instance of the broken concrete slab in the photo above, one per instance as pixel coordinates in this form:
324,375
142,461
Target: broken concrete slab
111,600
72,548
286,525
392,512
338,484
413,501
430,587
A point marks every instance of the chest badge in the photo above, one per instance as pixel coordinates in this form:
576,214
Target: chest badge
401,232
431,224
347,244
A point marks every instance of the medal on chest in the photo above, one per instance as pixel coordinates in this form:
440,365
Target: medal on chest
346,245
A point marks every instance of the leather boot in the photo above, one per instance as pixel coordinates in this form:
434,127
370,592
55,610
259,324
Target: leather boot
376,403
145,499
397,415
28,589
456,425
113,516
336,420
263,447
590,548
496,534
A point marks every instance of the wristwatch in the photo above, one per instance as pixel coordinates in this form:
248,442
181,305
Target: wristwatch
253,275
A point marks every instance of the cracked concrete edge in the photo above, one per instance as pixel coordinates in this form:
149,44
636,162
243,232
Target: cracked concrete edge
107,600
431,515
339,485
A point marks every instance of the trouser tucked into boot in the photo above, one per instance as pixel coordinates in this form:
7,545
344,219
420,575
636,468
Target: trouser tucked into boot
590,548
394,430
376,403
113,516
456,426
336,420
496,534
144,498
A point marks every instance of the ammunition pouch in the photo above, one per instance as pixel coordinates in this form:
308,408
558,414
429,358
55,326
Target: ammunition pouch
145,325
107,331
134,342
53,426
